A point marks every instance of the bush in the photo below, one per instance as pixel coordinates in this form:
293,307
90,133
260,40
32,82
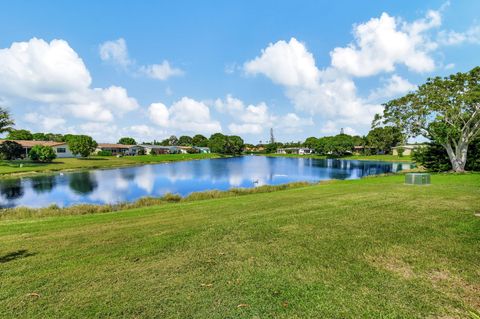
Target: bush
10,150
400,151
42,153
104,153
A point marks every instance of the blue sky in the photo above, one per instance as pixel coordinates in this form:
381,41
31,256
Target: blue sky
150,69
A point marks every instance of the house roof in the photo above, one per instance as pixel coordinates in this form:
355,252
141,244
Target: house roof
108,145
28,144
410,146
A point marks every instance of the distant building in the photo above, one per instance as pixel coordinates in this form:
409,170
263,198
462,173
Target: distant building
61,149
119,149
408,149
202,149
295,150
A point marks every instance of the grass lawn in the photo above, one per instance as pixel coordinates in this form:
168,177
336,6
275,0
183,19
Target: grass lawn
370,248
13,167
386,158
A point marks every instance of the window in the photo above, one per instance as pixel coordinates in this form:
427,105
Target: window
61,150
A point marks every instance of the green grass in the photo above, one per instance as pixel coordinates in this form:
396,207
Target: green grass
60,164
370,248
384,158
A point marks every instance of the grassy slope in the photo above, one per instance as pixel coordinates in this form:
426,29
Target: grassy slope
12,167
366,248
385,158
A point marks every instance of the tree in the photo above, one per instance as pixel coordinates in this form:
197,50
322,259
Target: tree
19,135
82,145
272,147
384,138
311,142
199,140
127,141
338,145
11,150
39,137
234,145
217,143
434,157
173,140
42,153
185,140
445,110
6,121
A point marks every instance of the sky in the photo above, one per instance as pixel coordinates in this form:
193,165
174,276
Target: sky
150,69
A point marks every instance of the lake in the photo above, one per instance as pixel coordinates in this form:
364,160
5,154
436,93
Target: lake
131,183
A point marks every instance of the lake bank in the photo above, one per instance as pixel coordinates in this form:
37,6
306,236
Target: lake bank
10,169
329,249
128,184
381,158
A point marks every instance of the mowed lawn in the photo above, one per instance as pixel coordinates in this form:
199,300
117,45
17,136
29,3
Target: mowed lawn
371,248
59,164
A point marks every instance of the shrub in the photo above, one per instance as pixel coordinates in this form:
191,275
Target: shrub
11,150
104,153
400,151
42,153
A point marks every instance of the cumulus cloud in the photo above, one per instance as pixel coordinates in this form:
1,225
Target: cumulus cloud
48,123
256,119
185,115
382,43
52,73
116,52
161,71
394,86
285,63
471,36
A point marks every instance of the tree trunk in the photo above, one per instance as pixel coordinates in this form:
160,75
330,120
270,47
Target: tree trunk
458,158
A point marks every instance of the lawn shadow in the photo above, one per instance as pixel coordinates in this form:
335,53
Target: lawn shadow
23,253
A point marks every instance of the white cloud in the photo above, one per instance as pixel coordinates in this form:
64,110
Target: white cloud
116,52
48,123
185,115
471,36
394,86
291,123
381,43
230,105
161,71
245,128
333,128
285,63
159,114
53,74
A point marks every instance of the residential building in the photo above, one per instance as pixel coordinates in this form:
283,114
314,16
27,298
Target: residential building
202,149
408,149
119,149
295,150
61,148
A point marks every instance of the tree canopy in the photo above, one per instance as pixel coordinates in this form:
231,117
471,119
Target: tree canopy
445,110
384,138
10,150
127,141
185,140
200,140
19,135
6,122
82,145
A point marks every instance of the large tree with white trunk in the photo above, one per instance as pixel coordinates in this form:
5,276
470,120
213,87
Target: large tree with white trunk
446,110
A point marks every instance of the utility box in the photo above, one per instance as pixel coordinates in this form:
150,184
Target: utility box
417,178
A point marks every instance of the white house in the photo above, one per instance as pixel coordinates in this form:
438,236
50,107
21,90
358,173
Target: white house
408,149
295,150
60,148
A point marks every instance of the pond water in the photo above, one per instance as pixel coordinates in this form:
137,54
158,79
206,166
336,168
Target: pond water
131,183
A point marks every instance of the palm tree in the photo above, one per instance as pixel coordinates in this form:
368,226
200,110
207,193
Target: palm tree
6,122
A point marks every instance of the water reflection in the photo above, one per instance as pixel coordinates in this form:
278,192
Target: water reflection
128,184
82,183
